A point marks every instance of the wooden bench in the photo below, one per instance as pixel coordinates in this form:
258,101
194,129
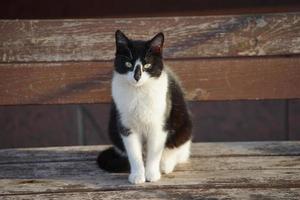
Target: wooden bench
217,58
253,170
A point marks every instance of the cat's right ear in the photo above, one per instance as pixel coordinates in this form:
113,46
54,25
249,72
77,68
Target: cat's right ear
121,39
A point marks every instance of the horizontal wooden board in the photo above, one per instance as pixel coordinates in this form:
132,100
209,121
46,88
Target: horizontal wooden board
214,166
203,79
57,178
88,169
199,150
57,83
184,194
186,37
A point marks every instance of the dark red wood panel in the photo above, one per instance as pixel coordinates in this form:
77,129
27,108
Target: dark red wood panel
203,79
95,120
294,119
239,120
38,126
32,126
219,121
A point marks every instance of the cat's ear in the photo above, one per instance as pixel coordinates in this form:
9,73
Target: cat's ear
121,39
156,43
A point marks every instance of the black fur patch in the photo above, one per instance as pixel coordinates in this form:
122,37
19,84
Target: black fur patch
109,160
178,124
149,52
116,129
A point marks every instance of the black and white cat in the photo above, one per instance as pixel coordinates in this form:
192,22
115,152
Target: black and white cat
148,109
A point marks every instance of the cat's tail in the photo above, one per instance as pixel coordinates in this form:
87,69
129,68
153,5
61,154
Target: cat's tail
112,161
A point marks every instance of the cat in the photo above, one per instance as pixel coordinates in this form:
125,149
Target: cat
148,109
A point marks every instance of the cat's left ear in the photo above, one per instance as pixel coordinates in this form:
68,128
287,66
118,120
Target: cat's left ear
156,43
121,39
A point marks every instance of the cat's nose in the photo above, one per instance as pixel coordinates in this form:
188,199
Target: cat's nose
137,73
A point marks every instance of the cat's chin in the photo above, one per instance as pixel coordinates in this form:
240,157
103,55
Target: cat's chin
137,84
134,83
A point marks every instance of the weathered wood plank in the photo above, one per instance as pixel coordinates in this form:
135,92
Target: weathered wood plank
69,179
213,165
199,150
184,194
57,83
203,79
232,79
88,169
186,37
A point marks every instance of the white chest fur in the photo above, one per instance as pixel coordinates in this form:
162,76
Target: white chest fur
141,107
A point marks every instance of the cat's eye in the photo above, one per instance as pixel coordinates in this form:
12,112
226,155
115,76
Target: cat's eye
128,64
147,66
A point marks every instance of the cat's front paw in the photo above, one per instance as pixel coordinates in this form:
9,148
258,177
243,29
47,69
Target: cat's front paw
152,175
136,178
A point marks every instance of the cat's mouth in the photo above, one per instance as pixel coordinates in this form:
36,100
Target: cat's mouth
136,83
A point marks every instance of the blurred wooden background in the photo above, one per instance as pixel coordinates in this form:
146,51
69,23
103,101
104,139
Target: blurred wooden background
55,125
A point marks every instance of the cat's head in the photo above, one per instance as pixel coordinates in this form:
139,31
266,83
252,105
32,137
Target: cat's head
138,61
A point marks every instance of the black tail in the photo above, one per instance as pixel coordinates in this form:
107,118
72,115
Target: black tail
109,160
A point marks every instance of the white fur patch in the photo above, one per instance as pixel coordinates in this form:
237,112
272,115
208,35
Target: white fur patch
171,157
142,109
138,62
133,148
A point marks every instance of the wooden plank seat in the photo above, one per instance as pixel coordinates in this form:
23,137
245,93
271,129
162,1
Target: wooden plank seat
217,58
235,170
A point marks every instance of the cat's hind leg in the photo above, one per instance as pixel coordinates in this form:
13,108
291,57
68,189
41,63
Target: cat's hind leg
172,156
168,160
184,152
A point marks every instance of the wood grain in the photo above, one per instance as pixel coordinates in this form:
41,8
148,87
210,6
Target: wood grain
63,171
199,150
56,83
186,37
87,169
203,79
184,194
57,177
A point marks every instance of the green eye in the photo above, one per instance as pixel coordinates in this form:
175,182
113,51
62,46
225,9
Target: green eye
128,64
146,66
